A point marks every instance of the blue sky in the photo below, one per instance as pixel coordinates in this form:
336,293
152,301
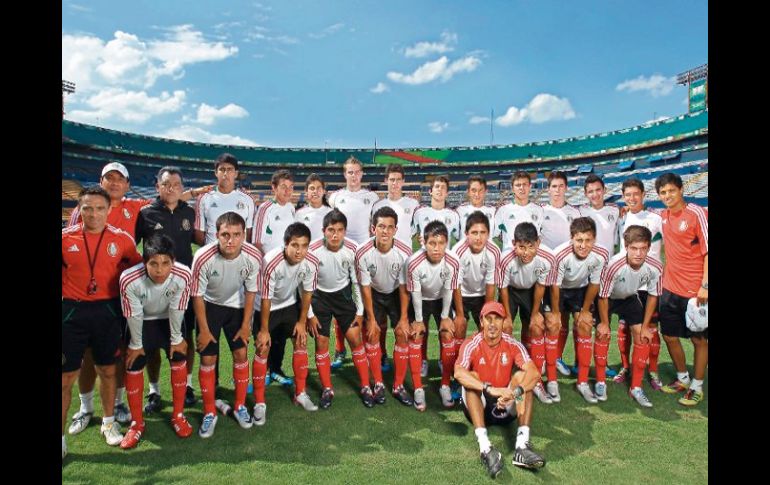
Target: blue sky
408,73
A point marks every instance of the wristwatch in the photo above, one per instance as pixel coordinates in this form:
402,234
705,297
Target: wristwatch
705,285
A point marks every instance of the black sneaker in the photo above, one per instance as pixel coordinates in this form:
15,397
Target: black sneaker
326,398
366,396
525,457
153,403
379,393
402,395
189,397
493,462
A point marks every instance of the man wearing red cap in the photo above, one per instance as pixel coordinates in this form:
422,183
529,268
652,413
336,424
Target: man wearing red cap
496,393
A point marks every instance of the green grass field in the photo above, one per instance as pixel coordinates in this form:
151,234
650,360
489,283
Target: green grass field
612,442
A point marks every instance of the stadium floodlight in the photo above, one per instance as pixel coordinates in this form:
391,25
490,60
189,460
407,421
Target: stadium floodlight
700,72
67,86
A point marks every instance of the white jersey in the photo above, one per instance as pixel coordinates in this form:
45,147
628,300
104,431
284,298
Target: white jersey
426,214
511,215
404,208
479,270
464,210
142,299
270,224
524,276
281,279
619,280
571,272
213,204
648,219
606,220
224,281
313,218
433,279
384,272
357,207
556,222
337,269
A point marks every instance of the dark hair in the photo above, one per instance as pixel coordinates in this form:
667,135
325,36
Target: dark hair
95,190
226,158
582,224
634,234
557,174
384,211
394,168
525,232
668,178
441,178
521,174
335,216
477,178
476,217
313,177
592,178
172,170
435,228
296,229
632,182
158,244
231,219
279,175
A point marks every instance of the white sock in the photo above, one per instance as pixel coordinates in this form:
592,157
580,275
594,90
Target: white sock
684,377
154,388
63,442
522,436
119,395
189,380
108,420
87,402
696,385
483,439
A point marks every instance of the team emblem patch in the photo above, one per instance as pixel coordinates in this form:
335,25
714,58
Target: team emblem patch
214,273
644,280
610,218
483,264
367,201
534,217
301,275
372,268
539,272
244,272
683,226
345,264
395,268
126,214
213,205
171,291
569,218
241,205
504,358
448,221
307,218
547,218
185,225
277,217
407,210
112,249
511,216
592,267
444,274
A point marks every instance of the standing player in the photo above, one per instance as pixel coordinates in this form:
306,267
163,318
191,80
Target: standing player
312,214
686,236
574,282
620,293
496,393
154,295
403,206
93,256
225,276
477,194
519,210
605,216
433,277
381,266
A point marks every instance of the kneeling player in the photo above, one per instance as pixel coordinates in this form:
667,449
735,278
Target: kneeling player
496,393
154,295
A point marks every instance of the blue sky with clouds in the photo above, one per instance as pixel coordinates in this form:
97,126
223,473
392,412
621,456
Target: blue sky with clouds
408,73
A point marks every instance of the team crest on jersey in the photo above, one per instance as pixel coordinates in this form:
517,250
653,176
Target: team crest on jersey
448,221
241,205
592,267
126,214
372,268
644,280
610,218
345,264
534,217
142,297
504,358
112,249
278,277
539,272
683,226
367,201
483,264
407,211
394,269
244,272
444,274
301,275
569,218
185,225
171,290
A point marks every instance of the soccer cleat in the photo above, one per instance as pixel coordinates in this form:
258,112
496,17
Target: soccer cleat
457,391
326,398
132,437
419,399
553,391
122,413
181,426
111,433
493,461
402,396
281,379
153,403
80,422
655,381
600,390
675,386
610,372
691,398
207,425
379,393
241,414
622,376
574,370
367,397
304,400
386,366
542,395
268,380
424,369
638,395
585,390
339,359
260,414
563,368
446,396
189,397
525,457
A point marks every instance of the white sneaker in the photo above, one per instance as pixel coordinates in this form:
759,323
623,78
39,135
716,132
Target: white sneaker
638,394
446,396
260,414
424,369
585,390
304,400
112,433
207,425
563,368
540,392
553,391
243,417
80,422
419,399
63,449
122,413
600,389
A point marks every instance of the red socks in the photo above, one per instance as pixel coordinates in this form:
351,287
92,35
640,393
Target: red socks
241,378
641,353
400,363
258,373
359,360
415,363
600,359
323,364
448,357
584,358
178,385
299,364
374,356
134,381
207,381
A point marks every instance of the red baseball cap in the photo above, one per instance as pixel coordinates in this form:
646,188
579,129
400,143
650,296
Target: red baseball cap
492,307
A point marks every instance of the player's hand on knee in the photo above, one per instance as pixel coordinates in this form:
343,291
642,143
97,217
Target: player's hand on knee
300,333
314,326
448,325
372,332
244,334
204,339
603,331
181,347
132,355
417,330
263,340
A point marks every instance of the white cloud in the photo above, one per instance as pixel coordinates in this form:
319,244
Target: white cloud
542,108
657,85
438,69
196,134
262,33
379,88
128,106
424,49
207,115
475,120
437,127
327,31
80,8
